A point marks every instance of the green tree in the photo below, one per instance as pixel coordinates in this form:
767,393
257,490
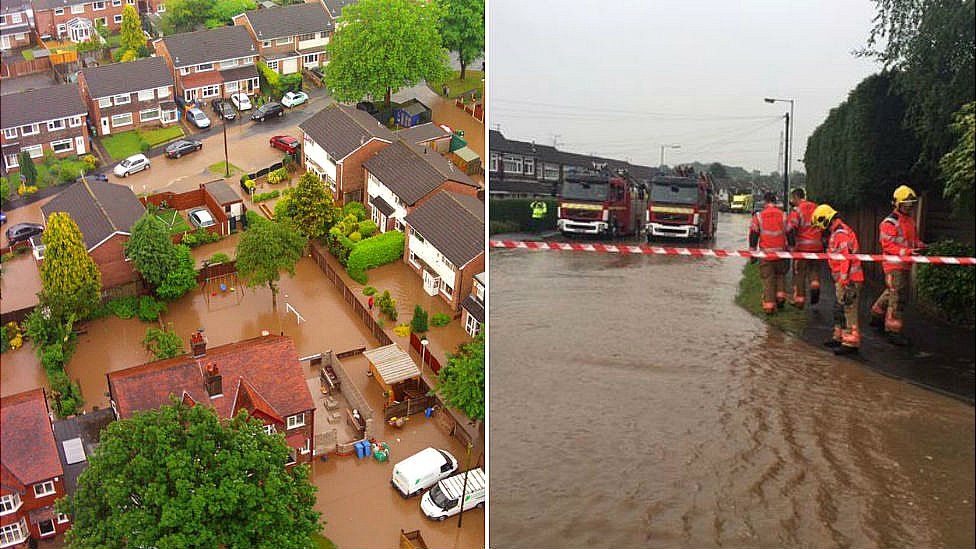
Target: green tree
463,29
179,477
163,343
382,46
181,278
71,282
266,249
718,171
184,15
166,267
222,11
957,165
462,382
131,36
418,324
27,168
311,207
4,189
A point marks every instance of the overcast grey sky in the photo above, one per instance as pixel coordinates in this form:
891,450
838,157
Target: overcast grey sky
620,79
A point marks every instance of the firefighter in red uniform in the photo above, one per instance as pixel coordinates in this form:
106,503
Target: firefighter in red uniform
768,233
806,238
848,279
898,237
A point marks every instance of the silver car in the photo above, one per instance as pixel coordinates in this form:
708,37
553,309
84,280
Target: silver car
197,118
201,217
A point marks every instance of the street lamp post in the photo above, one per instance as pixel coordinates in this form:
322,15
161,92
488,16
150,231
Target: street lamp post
423,353
464,488
223,95
662,152
788,151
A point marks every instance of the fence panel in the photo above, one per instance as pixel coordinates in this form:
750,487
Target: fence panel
349,390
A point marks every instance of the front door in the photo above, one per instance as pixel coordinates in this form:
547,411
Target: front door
432,282
105,127
80,144
4,42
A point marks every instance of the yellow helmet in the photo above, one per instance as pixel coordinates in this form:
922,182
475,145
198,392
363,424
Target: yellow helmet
822,215
904,194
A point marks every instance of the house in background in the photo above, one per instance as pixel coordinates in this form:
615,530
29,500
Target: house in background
15,24
31,476
125,96
105,213
428,135
335,6
211,63
445,245
335,143
402,176
473,307
76,20
289,38
40,120
261,376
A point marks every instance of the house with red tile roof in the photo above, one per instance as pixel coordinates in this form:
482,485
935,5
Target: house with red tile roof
261,376
31,476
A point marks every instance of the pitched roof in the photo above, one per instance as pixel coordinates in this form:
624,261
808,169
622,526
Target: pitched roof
268,365
290,20
412,172
222,193
32,106
29,451
40,5
117,78
335,6
474,307
193,48
422,133
7,6
340,129
99,208
86,427
452,223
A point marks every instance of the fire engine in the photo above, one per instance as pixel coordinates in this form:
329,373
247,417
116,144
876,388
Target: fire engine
682,205
605,204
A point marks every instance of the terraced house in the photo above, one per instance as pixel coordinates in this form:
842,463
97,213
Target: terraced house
45,119
211,63
289,38
75,20
31,476
15,29
123,96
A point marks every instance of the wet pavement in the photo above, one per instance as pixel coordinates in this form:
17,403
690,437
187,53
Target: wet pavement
643,408
21,371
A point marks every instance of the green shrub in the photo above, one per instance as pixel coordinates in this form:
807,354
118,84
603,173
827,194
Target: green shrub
517,211
280,175
369,290
440,320
368,228
950,292
219,257
355,236
373,252
150,309
387,305
497,227
4,189
200,237
124,307
163,343
261,197
355,209
418,324
248,183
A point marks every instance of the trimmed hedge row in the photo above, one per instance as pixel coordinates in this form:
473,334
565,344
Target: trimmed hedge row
515,215
372,252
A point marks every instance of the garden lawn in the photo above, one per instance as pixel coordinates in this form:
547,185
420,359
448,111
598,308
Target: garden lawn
73,167
174,221
125,144
473,80
218,169
322,542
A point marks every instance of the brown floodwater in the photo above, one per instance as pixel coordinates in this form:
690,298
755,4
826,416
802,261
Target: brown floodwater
633,404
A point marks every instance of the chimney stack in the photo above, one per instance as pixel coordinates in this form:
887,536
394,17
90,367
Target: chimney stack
198,344
212,380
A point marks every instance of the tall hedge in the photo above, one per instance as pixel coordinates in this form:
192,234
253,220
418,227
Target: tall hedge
515,214
373,252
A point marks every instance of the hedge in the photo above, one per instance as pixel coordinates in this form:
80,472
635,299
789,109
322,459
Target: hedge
949,292
373,252
515,214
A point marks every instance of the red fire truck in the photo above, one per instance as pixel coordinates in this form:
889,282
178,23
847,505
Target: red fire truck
682,205
605,204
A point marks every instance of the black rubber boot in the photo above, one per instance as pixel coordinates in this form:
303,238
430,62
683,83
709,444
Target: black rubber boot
842,350
814,296
780,304
897,339
877,321
832,343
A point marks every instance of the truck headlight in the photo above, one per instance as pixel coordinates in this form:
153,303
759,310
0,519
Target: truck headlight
559,211
696,219
606,215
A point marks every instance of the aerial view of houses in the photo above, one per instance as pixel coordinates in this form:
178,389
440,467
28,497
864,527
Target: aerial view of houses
240,271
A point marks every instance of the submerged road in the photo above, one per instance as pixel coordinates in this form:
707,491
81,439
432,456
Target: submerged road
633,404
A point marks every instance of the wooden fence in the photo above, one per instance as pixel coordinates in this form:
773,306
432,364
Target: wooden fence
456,425
409,407
11,67
428,358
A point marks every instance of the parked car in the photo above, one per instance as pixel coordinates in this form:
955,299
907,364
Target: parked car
197,117
241,101
177,149
131,165
223,109
23,231
285,143
444,499
367,106
267,110
201,217
422,470
92,177
294,99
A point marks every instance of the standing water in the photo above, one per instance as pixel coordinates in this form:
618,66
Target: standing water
634,404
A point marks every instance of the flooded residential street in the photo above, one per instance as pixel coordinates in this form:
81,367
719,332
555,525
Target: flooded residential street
634,405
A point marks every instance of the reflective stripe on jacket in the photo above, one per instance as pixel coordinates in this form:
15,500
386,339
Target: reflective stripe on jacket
844,241
770,225
898,237
808,237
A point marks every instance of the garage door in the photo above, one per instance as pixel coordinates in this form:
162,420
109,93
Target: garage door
289,66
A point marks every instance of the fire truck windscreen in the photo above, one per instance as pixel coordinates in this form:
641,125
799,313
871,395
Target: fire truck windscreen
580,190
674,194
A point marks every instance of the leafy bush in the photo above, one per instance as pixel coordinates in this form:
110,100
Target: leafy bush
516,213
4,189
387,305
181,278
150,309
355,209
373,252
419,322
280,175
219,257
355,236
91,162
440,320
369,290
163,343
11,337
403,330
124,307
200,237
496,227
261,197
368,228
248,183
949,291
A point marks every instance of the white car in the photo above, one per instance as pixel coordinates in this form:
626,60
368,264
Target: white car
294,99
131,165
241,101
422,470
201,217
197,118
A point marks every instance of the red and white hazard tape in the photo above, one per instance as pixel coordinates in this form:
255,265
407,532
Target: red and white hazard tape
705,252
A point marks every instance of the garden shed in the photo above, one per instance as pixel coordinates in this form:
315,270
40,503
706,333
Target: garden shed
467,160
412,113
394,370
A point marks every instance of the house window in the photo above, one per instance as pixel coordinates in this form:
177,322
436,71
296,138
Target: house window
270,429
10,503
169,116
159,9
62,29
59,11
74,121
283,41
80,8
30,129
529,166
228,64
447,289
472,326
310,59
122,99
3,19
101,22
204,67
273,65
121,119
62,518
14,533
105,102
12,161
98,6
145,95
55,125
297,420
116,2
148,114
231,87
552,172
42,489
10,133
185,71
418,236
162,92
266,43
513,163
307,36
46,528
495,160
210,91
292,458
15,17
413,260
62,145
117,18
306,447
35,151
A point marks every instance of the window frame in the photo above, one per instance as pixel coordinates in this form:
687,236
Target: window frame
9,537
35,127
121,116
157,116
96,3
57,124
117,101
270,429
472,328
141,95
295,421
66,518
74,121
70,142
10,503
7,133
54,528
117,18
204,67
105,102
41,485
29,148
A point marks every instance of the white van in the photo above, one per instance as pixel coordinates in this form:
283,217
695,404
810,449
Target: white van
443,499
422,470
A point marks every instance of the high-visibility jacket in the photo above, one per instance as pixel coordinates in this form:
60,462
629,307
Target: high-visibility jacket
898,237
770,225
539,209
808,237
843,240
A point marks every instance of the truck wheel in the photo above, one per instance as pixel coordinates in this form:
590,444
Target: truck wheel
480,505
441,518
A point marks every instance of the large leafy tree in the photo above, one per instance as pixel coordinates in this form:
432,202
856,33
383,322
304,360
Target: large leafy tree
463,29
462,382
71,282
131,37
181,477
384,45
165,266
184,15
311,207
957,166
265,250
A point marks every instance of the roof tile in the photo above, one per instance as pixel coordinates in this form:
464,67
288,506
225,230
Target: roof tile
452,223
27,438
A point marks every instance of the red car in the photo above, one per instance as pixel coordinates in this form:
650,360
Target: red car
285,143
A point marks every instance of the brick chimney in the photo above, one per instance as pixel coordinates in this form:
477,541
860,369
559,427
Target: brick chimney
198,344
213,380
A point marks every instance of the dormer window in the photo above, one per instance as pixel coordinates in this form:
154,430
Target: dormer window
283,41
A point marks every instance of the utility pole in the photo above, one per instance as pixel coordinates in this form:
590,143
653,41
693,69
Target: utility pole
464,488
662,152
223,95
786,170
